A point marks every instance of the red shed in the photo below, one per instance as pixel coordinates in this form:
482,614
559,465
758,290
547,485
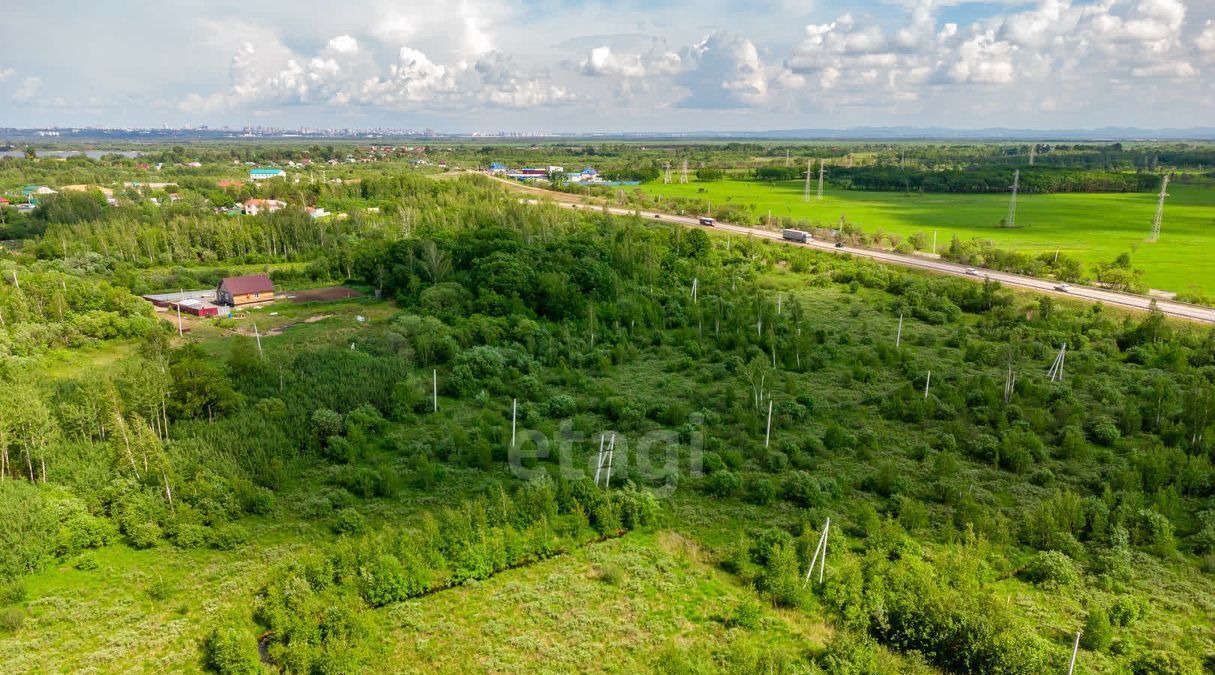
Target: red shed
198,308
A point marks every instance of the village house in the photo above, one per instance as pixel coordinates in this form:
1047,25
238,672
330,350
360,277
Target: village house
266,174
256,206
246,290
5,202
31,191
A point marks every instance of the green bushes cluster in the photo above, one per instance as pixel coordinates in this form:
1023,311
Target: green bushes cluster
314,609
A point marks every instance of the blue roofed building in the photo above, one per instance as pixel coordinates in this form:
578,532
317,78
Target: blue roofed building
266,174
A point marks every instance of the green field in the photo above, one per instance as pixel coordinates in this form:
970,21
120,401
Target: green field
1093,227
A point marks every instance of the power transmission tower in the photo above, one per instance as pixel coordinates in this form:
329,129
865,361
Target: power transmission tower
666,178
1164,186
787,159
806,191
822,170
1011,220
1033,150
683,174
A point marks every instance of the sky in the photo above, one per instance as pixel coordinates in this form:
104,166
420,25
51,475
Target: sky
608,66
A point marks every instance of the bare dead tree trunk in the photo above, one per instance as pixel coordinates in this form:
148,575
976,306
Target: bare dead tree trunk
168,490
126,441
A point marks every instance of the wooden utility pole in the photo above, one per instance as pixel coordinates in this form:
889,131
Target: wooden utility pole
820,549
514,410
435,389
898,338
1071,667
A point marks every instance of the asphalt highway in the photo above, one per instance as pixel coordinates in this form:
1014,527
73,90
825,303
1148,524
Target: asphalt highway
1171,308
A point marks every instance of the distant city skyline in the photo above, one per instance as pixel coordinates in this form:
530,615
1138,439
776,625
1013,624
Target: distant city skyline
559,66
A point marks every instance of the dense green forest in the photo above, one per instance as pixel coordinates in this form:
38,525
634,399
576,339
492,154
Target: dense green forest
981,512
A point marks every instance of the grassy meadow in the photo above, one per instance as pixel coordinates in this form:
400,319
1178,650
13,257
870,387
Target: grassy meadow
1092,227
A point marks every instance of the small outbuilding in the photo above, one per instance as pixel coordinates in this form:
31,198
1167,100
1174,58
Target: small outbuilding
246,290
197,307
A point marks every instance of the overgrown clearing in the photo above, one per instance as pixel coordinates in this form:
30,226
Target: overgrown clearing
349,496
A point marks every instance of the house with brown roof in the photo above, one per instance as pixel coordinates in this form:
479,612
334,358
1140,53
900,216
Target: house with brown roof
246,290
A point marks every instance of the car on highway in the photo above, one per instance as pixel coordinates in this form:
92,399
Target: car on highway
707,222
1062,288
972,271
657,217
839,244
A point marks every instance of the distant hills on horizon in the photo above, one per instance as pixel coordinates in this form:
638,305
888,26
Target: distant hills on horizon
56,135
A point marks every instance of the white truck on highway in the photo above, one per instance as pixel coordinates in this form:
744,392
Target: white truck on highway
796,235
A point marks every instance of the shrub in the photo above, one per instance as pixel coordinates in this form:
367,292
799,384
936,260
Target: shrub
159,589
612,574
748,613
780,578
1052,569
190,535
803,489
259,501
326,422
11,619
722,484
81,530
229,651
847,654
86,561
228,537
561,406
1204,539
760,491
1104,431
1153,530
1098,634
776,462
1127,609
838,438
28,530
143,535
387,580
1165,663
12,593
340,449
348,521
